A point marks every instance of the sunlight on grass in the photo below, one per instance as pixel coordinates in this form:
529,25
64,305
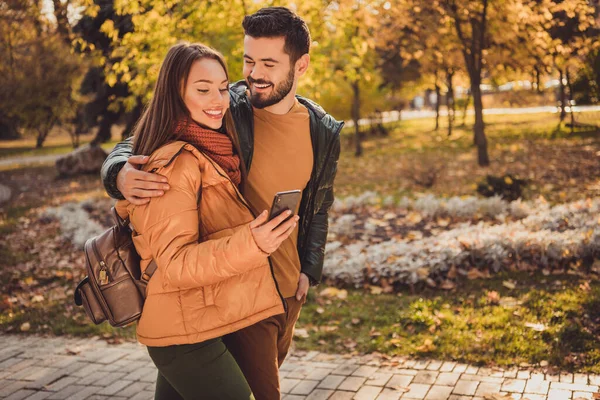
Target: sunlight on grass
543,321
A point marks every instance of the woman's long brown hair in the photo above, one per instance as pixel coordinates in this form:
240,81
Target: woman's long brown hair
156,127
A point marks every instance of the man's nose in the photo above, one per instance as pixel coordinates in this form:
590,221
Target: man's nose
257,72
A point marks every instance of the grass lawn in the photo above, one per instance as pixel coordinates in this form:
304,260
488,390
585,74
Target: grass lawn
549,318
416,159
55,145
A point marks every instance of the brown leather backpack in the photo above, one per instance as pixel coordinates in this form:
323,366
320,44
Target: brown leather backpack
114,289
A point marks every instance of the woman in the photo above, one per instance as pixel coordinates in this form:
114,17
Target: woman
213,273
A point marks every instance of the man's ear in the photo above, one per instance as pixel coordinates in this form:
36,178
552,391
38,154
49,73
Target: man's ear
302,64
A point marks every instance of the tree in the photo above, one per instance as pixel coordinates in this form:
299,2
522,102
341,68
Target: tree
423,37
350,47
96,33
156,26
38,73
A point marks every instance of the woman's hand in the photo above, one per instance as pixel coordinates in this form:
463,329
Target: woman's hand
269,235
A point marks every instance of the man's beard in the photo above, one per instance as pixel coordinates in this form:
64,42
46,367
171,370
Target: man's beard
261,100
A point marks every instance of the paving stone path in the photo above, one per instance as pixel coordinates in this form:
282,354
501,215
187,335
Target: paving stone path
37,368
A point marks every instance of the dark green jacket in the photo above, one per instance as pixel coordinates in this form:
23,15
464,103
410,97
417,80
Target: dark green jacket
317,197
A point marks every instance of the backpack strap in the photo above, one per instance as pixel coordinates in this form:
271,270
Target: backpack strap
123,223
150,270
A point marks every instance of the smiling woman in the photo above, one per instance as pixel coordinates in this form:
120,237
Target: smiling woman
192,89
206,93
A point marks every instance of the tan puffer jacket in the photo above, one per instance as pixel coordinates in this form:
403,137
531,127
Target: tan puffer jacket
212,278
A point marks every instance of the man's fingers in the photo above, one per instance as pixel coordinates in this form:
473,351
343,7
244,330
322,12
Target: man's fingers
147,176
150,185
138,160
143,193
261,219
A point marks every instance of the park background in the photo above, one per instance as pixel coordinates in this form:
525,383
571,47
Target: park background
467,224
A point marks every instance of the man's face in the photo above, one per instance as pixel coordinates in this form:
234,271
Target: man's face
267,70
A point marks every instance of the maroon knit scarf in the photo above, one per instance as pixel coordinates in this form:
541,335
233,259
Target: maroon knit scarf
216,145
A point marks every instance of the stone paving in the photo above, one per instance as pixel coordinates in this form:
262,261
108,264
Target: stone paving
37,368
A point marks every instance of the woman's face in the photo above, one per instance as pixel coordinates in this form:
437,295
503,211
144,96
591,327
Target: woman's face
206,93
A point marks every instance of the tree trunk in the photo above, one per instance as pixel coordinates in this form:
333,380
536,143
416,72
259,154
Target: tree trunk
450,100
479,128
62,22
537,81
464,114
438,95
104,130
570,101
41,137
356,117
135,115
562,97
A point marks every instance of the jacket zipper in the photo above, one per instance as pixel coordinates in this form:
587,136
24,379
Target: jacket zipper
104,275
241,198
96,289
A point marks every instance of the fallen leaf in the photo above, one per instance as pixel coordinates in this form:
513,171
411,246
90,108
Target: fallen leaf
452,273
447,285
25,327
334,292
374,333
509,284
474,273
427,346
376,290
355,321
423,272
414,218
536,327
37,298
301,333
320,310
493,297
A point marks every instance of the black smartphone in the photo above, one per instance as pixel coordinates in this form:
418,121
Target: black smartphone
284,201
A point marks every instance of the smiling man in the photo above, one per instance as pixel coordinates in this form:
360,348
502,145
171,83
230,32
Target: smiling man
287,143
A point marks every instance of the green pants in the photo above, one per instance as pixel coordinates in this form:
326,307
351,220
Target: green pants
198,371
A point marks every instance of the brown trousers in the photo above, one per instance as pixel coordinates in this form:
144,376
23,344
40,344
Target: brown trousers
260,349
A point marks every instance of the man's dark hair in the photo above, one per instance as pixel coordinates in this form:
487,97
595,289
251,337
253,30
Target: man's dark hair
273,22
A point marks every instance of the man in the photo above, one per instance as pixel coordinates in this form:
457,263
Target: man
287,142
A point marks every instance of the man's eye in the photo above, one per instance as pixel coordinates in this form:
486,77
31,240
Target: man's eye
269,66
249,62
224,90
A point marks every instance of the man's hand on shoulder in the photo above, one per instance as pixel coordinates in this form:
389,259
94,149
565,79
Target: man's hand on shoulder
138,186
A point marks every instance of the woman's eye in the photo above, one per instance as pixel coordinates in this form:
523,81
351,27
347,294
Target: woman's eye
269,66
203,90
224,90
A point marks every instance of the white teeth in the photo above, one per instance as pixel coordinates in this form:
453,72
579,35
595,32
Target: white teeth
261,86
213,112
